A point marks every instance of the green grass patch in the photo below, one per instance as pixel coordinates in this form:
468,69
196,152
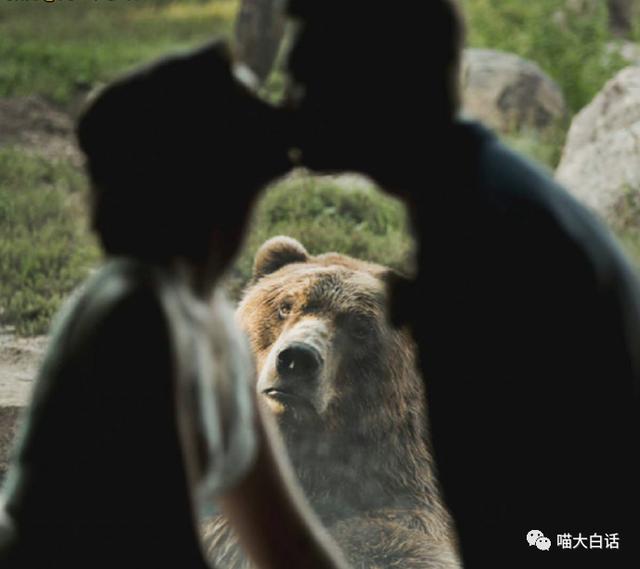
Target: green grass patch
544,147
630,240
45,248
61,49
325,214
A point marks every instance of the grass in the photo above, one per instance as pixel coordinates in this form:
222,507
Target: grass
542,147
346,215
62,49
45,248
630,240
626,226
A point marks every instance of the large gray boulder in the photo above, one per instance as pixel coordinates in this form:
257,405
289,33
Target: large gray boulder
509,93
600,163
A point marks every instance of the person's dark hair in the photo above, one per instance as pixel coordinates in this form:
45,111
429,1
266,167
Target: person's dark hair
430,35
167,149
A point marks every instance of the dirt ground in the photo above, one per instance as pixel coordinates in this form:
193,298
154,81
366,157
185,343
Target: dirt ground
37,126
19,362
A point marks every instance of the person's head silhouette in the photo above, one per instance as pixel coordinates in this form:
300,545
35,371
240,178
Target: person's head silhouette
374,77
177,152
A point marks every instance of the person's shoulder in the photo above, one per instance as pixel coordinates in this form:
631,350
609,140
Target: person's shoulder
117,310
505,175
544,210
122,294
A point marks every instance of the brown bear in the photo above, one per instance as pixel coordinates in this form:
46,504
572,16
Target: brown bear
350,405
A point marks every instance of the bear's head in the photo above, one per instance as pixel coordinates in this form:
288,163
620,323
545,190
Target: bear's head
341,380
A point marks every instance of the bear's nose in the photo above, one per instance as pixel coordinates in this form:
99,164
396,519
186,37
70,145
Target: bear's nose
298,360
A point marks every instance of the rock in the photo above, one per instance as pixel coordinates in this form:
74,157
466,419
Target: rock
509,93
628,51
600,162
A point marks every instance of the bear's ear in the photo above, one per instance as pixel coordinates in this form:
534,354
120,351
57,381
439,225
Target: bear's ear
276,253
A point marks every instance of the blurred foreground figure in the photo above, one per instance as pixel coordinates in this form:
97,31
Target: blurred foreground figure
144,396
526,312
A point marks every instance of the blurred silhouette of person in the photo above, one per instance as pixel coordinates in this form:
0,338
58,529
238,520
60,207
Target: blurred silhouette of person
526,312
144,398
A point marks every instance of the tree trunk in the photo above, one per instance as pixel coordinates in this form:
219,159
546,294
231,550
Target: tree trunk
621,14
259,29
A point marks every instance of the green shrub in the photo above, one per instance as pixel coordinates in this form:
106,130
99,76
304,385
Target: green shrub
346,215
45,250
568,43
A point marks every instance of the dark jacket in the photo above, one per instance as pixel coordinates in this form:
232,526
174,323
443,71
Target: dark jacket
527,316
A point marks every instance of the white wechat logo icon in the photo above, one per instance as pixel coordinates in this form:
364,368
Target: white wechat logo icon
543,543
537,538
533,535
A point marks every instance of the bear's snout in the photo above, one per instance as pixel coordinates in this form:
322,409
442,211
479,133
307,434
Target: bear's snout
299,361
292,373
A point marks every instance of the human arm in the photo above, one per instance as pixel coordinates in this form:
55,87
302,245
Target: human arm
269,515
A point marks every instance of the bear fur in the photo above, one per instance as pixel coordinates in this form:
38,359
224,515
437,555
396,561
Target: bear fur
343,385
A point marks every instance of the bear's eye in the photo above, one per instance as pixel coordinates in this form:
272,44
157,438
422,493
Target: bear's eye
284,310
